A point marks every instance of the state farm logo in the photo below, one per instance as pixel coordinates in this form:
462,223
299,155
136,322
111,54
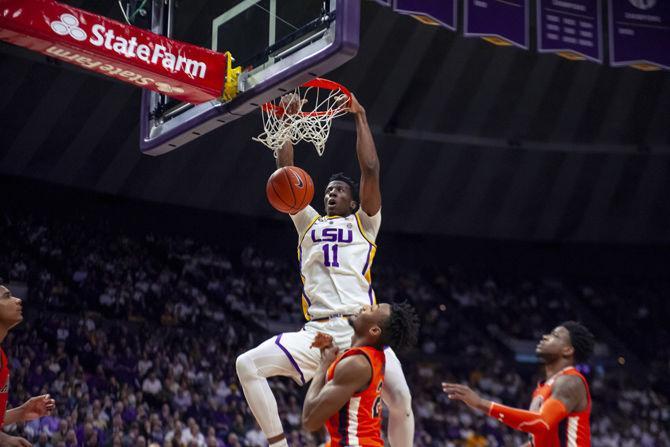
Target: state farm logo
68,25
133,47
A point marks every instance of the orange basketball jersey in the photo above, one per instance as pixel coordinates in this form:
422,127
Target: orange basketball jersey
359,421
4,385
573,431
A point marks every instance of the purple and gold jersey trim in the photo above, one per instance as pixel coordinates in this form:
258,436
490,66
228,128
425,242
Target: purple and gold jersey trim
305,301
290,358
360,228
367,268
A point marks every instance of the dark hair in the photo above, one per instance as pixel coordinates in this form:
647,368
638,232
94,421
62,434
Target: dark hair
581,339
401,328
340,177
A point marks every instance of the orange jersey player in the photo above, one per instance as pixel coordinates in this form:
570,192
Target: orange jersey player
359,421
10,315
345,393
560,411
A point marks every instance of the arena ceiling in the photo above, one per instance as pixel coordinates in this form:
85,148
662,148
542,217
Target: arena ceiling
474,140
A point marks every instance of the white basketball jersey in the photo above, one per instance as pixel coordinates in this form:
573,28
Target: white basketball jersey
336,255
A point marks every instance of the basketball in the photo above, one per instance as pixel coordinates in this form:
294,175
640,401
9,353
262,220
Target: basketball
289,189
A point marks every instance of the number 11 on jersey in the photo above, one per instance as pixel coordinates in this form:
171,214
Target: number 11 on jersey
328,260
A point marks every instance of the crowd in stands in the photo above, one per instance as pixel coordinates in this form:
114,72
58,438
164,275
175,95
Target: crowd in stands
135,336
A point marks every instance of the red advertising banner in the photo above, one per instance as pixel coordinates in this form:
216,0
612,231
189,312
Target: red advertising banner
132,55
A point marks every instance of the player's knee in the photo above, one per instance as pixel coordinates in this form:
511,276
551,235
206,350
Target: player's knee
244,366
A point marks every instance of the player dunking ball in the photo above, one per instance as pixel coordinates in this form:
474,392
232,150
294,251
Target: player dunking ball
561,407
336,253
35,407
345,393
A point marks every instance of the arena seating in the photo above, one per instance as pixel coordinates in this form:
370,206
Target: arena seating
136,336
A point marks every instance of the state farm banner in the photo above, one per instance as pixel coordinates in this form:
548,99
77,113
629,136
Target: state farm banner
571,28
434,12
135,56
503,22
640,33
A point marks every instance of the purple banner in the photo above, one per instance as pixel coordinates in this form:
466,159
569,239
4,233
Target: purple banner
504,22
571,28
433,12
640,33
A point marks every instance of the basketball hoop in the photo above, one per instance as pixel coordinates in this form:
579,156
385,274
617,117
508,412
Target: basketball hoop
307,116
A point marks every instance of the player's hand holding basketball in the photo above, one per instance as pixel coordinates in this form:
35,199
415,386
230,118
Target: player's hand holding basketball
37,407
464,393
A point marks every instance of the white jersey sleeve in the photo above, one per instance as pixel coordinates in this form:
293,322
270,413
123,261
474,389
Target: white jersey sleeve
303,219
370,224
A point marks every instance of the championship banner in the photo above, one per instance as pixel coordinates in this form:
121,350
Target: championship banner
570,28
501,22
430,12
640,33
132,55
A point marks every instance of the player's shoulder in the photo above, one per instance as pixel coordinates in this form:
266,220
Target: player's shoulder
574,373
304,218
569,384
354,362
360,212
306,211
373,354
353,372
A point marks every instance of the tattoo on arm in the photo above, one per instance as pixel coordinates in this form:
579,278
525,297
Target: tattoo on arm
571,391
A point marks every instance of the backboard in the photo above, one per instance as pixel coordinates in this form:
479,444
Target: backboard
279,44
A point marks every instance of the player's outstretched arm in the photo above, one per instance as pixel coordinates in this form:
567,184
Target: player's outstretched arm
292,104
13,441
34,408
370,192
325,399
567,395
285,155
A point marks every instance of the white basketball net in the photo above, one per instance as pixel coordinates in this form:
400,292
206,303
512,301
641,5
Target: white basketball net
306,114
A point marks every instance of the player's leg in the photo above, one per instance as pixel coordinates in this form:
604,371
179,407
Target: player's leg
253,369
398,399
284,355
